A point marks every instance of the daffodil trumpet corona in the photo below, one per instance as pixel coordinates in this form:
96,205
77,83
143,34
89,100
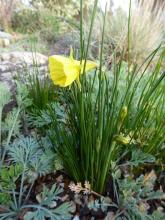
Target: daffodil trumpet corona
65,70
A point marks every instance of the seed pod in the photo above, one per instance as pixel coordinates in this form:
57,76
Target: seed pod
98,145
123,113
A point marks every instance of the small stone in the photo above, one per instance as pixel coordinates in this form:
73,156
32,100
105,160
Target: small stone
53,204
5,35
62,185
6,42
38,198
76,217
160,209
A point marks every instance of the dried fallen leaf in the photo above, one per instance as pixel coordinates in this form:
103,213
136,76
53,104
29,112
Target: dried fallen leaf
150,178
64,198
110,216
38,198
59,179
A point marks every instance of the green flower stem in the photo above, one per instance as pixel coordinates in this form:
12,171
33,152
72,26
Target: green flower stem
0,127
106,168
21,186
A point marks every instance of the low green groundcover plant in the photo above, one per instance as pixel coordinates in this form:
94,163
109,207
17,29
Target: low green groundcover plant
22,161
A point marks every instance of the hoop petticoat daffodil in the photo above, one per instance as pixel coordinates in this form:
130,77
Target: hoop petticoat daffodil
65,70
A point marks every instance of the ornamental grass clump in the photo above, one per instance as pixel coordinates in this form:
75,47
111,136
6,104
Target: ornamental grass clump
146,33
108,113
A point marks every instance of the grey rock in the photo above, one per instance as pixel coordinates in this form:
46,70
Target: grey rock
27,58
63,44
18,64
5,35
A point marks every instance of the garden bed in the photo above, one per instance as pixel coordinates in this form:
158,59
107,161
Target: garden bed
83,139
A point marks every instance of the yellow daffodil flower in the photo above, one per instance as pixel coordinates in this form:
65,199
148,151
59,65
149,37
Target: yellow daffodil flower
64,71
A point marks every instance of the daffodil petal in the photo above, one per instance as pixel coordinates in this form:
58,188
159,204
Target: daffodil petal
89,65
63,71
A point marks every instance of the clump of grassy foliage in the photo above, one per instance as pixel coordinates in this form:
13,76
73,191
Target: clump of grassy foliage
41,90
146,31
112,113
7,8
96,131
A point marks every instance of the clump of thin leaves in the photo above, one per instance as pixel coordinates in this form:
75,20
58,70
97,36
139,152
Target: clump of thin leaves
96,130
111,112
40,89
146,31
